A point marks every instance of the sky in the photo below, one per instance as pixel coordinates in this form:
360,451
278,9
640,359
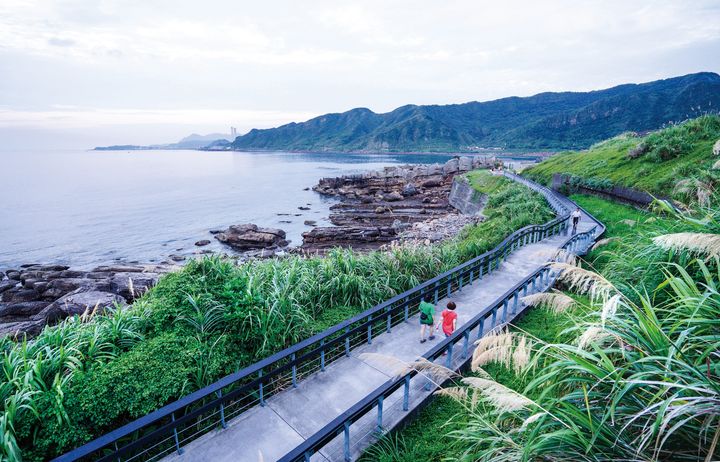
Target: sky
81,73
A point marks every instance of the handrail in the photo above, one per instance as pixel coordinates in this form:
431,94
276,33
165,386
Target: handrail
578,243
254,383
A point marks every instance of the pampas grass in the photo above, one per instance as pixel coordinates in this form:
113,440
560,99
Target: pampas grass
603,242
698,243
501,397
398,367
557,302
583,281
506,348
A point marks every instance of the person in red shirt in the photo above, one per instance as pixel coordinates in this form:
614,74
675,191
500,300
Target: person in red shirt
448,320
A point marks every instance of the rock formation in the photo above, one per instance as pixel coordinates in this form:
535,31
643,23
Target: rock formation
250,237
376,207
35,295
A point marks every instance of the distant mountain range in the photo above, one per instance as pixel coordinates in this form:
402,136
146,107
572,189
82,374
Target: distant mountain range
544,121
193,141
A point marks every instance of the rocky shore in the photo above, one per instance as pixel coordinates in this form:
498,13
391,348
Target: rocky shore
35,295
400,204
379,207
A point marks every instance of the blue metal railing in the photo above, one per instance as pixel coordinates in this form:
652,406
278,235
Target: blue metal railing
170,427
500,312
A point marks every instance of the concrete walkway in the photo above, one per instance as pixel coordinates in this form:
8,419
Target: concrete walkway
297,413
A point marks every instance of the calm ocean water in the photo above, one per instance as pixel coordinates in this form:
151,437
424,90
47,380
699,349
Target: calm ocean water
85,208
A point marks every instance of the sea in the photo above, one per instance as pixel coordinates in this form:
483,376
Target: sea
88,208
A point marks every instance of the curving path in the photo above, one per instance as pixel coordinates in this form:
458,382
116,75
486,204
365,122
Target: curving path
289,417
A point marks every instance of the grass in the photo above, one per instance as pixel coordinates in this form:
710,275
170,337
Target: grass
660,291
89,375
655,163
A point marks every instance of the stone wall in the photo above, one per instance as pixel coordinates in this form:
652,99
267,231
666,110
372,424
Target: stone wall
465,198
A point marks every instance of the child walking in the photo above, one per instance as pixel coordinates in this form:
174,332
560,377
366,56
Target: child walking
448,320
427,311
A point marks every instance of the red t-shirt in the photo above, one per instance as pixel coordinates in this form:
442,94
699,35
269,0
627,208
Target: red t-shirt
449,316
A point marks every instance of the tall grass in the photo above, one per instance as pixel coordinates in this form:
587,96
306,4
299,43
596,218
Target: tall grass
87,376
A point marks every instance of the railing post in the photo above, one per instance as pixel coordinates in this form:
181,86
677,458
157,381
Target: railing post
533,284
389,319
525,287
466,345
347,341
369,330
436,292
407,309
322,355
175,435
262,395
448,363
481,327
346,446
380,412
406,394
494,317
515,302
505,309
222,409
449,289
294,371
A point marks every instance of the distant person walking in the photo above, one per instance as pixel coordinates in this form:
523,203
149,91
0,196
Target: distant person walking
576,219
448,320
427,311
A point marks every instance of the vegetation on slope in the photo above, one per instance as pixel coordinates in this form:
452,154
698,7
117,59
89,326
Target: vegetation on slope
91,374
632,375
677,161
547,120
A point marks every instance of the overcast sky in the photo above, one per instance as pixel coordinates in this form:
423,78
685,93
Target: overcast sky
87,72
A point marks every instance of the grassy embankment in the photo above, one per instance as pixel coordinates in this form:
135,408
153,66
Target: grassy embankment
91,374
625,364
430,435
677,162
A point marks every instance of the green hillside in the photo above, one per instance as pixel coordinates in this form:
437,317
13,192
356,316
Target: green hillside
677,161
567,120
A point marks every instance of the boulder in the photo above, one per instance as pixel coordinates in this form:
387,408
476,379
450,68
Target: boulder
176,257
25,309
432,182
17,329
202,242
409,190
12,274
434,169
450,167
77,303
5,285
25,295
465,164
393,196
310,222
250,237
120,269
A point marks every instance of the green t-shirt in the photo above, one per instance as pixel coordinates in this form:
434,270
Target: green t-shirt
429,310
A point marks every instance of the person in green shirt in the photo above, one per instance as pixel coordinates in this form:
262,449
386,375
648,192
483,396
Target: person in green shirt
427,311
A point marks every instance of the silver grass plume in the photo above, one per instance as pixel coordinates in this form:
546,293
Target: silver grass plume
555,301
699,243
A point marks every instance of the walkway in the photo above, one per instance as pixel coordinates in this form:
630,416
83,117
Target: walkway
289,417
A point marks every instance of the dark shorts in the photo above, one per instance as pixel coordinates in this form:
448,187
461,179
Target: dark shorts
429,322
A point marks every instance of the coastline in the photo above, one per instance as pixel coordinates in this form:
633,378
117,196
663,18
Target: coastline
377,209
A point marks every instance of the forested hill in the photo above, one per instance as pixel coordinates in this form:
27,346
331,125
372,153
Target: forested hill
544,121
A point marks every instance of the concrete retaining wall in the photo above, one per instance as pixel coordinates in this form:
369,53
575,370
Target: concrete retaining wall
466,199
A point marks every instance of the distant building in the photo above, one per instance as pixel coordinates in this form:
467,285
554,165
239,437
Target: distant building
233,133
